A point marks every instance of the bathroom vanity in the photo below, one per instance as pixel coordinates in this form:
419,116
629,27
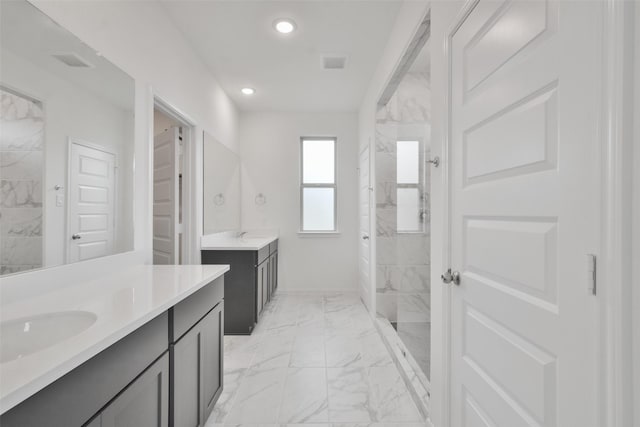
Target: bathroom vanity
253,278
146,349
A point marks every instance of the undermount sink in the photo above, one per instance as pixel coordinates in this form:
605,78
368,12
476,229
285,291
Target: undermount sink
27,335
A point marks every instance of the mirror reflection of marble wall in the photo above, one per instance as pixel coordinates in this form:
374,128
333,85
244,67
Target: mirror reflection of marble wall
66,119
21,174
221,187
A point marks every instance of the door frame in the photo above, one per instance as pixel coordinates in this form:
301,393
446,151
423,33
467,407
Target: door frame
67,211
191,202
614,274
370,301
615,398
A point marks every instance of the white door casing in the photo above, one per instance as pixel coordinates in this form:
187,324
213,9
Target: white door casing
365,237
524,214
165,197
91,202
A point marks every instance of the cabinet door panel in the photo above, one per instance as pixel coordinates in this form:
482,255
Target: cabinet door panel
212,345
259,286
187,392
197,364
144,403
265,284
275,272
272,273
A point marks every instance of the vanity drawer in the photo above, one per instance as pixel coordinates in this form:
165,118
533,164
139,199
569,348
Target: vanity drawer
188,312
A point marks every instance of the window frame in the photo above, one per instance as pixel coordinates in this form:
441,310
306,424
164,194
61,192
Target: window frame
334,185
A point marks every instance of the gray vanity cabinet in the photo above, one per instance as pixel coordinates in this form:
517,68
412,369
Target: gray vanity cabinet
249,285
167,373
144,403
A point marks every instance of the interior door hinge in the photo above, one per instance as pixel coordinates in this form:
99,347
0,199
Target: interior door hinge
591,273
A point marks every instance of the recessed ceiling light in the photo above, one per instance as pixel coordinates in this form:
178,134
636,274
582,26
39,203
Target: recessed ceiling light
284,26
248,90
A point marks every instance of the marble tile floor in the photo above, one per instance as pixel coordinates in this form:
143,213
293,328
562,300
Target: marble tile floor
314,360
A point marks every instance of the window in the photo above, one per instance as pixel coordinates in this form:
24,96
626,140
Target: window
409,198
318,185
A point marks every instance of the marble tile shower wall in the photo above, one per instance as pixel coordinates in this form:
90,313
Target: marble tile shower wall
21,177
402,259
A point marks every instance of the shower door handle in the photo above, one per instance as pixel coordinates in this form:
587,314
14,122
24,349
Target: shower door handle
451,277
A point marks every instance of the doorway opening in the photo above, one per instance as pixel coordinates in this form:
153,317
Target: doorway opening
403,229
171,135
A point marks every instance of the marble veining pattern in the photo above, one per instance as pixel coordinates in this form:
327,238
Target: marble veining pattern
403,357
314,360
21,179
403,282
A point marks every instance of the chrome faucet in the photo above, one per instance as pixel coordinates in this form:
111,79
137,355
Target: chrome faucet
240,234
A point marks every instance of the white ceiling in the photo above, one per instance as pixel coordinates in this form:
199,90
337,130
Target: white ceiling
237,42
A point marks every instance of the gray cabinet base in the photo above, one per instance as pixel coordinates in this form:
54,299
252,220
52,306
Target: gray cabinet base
239,289
248,286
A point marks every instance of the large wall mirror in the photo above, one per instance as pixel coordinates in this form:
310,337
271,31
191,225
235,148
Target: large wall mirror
66,146
221,187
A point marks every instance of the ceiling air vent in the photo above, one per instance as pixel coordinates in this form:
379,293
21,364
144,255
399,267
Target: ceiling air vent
334,62
72,59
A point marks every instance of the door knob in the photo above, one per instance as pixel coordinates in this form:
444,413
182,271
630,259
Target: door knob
451,277
76,236
365,237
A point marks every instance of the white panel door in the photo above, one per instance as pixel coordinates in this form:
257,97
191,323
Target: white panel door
365,240
524,108
91,202
165,197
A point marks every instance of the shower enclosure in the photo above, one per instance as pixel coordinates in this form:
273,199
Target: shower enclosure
402,151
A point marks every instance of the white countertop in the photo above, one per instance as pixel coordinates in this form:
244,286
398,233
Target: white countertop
229,242
122,301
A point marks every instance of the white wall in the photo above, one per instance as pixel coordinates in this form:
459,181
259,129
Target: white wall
70,111
407,22
270,153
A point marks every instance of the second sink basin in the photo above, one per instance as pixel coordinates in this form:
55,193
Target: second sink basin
27,335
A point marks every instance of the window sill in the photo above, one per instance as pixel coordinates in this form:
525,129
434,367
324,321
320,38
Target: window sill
319,233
